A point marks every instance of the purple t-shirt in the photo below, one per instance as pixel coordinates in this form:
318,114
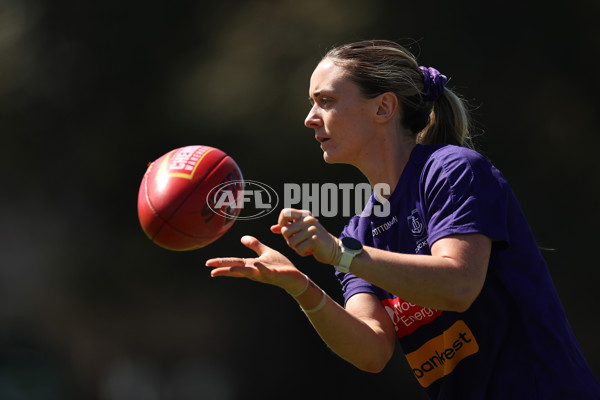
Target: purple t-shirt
514,341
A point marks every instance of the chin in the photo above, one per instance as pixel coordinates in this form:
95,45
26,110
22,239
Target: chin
332,155
329,159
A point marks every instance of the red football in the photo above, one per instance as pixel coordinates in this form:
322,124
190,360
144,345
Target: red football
173,205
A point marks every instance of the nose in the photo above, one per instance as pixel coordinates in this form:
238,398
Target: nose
313,120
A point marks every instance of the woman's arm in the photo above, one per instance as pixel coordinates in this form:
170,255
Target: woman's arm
448,279
362,334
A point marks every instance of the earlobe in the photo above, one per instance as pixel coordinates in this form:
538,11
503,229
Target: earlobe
387,106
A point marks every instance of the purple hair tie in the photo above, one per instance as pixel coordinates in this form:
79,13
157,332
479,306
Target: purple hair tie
434,83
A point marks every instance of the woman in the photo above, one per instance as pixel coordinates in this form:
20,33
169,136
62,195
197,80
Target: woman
453,272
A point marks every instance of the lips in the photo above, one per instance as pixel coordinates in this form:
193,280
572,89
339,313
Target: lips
321,139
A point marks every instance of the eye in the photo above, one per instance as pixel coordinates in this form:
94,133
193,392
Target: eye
325,101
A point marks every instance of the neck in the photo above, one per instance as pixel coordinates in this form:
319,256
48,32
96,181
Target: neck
392,155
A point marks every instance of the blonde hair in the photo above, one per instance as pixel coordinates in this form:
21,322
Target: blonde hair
380,66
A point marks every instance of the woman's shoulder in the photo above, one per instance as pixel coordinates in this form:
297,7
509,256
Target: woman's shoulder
458,165
452,153
451,157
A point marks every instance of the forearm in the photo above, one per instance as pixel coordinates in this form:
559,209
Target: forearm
438,281
360,342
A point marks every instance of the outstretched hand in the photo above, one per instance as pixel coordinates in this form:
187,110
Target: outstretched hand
302,232
269,267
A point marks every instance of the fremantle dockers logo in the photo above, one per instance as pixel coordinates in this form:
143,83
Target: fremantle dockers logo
415,224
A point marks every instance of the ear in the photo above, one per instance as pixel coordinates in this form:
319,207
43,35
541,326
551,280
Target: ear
387,104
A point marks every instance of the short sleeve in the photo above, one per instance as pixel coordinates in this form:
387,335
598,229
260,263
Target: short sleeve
350,283
463,193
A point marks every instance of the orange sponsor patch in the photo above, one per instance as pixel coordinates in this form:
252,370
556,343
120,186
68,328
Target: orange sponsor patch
439,356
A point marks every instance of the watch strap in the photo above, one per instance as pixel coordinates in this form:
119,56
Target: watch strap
344,265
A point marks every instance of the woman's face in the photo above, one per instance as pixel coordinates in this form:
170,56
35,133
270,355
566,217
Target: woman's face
340,115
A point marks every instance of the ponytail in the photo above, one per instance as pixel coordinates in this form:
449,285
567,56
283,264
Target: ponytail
449,122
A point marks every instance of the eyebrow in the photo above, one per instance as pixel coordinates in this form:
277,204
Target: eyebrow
315,95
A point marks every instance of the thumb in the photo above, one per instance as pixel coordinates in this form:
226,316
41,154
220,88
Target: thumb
254,244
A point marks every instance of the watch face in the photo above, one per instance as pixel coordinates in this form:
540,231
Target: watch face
352,244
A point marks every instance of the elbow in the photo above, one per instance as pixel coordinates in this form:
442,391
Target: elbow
375,363
464,293
462,301
460,306
372,367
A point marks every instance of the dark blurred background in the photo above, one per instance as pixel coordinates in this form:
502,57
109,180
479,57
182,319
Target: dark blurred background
91,91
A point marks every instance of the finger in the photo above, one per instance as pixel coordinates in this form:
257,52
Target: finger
234,272
225,271
276,229
302,227
294,235
225,262
254,244
288,215
305,247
